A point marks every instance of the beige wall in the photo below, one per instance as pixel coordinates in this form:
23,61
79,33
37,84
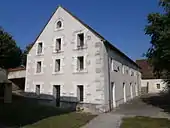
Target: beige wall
96,77
152,88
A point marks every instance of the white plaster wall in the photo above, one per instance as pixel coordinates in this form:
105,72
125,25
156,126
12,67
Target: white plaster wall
17,74
92,78
152,88
119,78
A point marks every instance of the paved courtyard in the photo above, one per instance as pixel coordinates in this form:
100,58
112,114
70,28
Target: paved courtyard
136,107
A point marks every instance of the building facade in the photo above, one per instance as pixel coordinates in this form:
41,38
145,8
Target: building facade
70,63
150,83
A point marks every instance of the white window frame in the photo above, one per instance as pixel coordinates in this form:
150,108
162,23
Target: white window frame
42,66
39,54
112,64
54,44
41,86
75,62
85,41
61,64
55,25
123,69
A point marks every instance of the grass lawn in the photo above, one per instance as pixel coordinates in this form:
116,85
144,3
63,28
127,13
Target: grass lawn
145,122
71,120
27,112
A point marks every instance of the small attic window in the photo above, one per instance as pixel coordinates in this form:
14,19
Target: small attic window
59,24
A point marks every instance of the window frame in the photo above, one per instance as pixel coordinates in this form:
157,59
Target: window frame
54,44
42,66
62,24
61,58
79,68
42,53
157,86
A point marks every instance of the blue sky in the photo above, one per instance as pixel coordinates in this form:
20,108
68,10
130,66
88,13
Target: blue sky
121,22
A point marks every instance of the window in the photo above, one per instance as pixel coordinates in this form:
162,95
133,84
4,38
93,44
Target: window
38,67
40,45
112,64
57,65
37,89
80,92
59,24
58,45
127,71
158,86
80,63
80,40
132,73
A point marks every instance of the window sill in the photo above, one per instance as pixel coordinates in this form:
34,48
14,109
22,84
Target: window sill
57,52
57,73
80,72
81,48
41,54
59,29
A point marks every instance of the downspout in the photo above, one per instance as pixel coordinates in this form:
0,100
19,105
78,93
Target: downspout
108,60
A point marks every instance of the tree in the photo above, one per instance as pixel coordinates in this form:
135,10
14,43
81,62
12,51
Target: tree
25,52
10,53
158,29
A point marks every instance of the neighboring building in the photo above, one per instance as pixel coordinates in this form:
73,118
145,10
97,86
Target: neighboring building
5,87
150,83
73,63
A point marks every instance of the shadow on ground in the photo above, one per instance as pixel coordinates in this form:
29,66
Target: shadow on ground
23,111
161,100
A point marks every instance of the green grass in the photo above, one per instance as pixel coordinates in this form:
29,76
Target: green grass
27,112
145,122
71,120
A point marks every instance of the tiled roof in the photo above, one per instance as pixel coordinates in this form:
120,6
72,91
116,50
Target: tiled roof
16,69
146,69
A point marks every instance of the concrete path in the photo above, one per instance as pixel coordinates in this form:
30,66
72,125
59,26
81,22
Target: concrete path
106,120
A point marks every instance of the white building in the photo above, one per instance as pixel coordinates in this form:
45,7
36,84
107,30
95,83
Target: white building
73,63
149,82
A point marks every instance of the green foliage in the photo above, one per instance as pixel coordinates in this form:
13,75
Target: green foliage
10,53
25,52
158,29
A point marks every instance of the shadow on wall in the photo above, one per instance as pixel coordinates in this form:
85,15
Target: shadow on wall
161,100
23,110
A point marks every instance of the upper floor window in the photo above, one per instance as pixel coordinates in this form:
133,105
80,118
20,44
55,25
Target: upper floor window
59,25
80,63
127,71
80,40
39,66
123,69
112,64
40,48
57,65
58,45
132,73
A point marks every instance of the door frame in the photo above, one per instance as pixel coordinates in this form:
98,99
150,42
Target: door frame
124,92
113,89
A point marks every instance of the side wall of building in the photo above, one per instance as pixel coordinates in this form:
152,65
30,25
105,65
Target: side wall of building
153,85
115,67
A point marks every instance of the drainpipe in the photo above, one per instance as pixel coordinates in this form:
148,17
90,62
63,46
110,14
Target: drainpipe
108,60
